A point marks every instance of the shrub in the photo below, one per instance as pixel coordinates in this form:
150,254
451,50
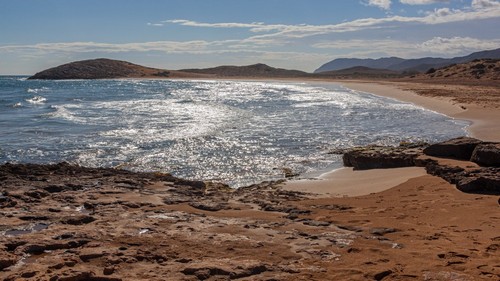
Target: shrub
431,70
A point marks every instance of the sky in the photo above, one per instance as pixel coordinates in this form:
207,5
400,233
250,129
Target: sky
292,34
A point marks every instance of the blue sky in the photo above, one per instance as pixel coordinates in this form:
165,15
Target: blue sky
295,34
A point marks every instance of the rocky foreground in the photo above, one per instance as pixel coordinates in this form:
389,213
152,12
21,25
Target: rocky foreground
64,222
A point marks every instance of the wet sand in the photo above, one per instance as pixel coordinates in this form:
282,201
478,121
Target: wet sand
346,182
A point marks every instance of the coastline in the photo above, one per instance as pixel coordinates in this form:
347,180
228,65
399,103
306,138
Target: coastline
107,224
484,120
346,182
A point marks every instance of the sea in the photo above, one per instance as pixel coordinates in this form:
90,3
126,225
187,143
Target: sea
235,132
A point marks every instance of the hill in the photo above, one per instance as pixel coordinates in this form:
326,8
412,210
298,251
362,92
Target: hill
254,70
360,72
346,63
108,69
484,69
405,65
105,69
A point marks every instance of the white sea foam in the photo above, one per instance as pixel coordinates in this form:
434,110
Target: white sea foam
63,112
37,90
36,100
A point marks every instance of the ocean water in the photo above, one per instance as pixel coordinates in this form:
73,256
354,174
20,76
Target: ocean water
235,132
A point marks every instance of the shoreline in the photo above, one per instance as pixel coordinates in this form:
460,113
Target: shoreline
482,126
63,221
349,183
484,121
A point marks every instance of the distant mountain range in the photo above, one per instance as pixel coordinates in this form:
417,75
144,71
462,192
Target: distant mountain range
404,65
359,72
384,68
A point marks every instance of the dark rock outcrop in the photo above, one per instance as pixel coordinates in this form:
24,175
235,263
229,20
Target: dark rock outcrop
484,181
458,148
78,220
487,155
380,157
481,180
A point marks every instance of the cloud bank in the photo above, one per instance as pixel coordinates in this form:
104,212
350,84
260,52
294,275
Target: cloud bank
305,46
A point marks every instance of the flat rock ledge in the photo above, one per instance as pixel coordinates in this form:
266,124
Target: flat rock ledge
476,169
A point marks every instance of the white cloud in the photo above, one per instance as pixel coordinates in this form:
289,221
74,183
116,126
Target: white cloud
155,24
255,26
382,4
362,44
281,33
284,45
439,46
422,2
481,4
457,45
85,47
442,12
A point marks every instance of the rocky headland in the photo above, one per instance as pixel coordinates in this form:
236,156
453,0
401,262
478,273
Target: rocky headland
106,69
65,222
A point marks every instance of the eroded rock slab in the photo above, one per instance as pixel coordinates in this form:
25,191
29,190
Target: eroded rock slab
381,157
487,154
458,148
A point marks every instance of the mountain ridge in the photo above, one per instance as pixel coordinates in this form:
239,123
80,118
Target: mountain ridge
405,65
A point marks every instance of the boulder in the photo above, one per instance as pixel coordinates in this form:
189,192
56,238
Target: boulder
458,148
487,155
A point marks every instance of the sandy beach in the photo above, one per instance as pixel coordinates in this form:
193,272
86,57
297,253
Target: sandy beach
346,182
64,222
483,117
